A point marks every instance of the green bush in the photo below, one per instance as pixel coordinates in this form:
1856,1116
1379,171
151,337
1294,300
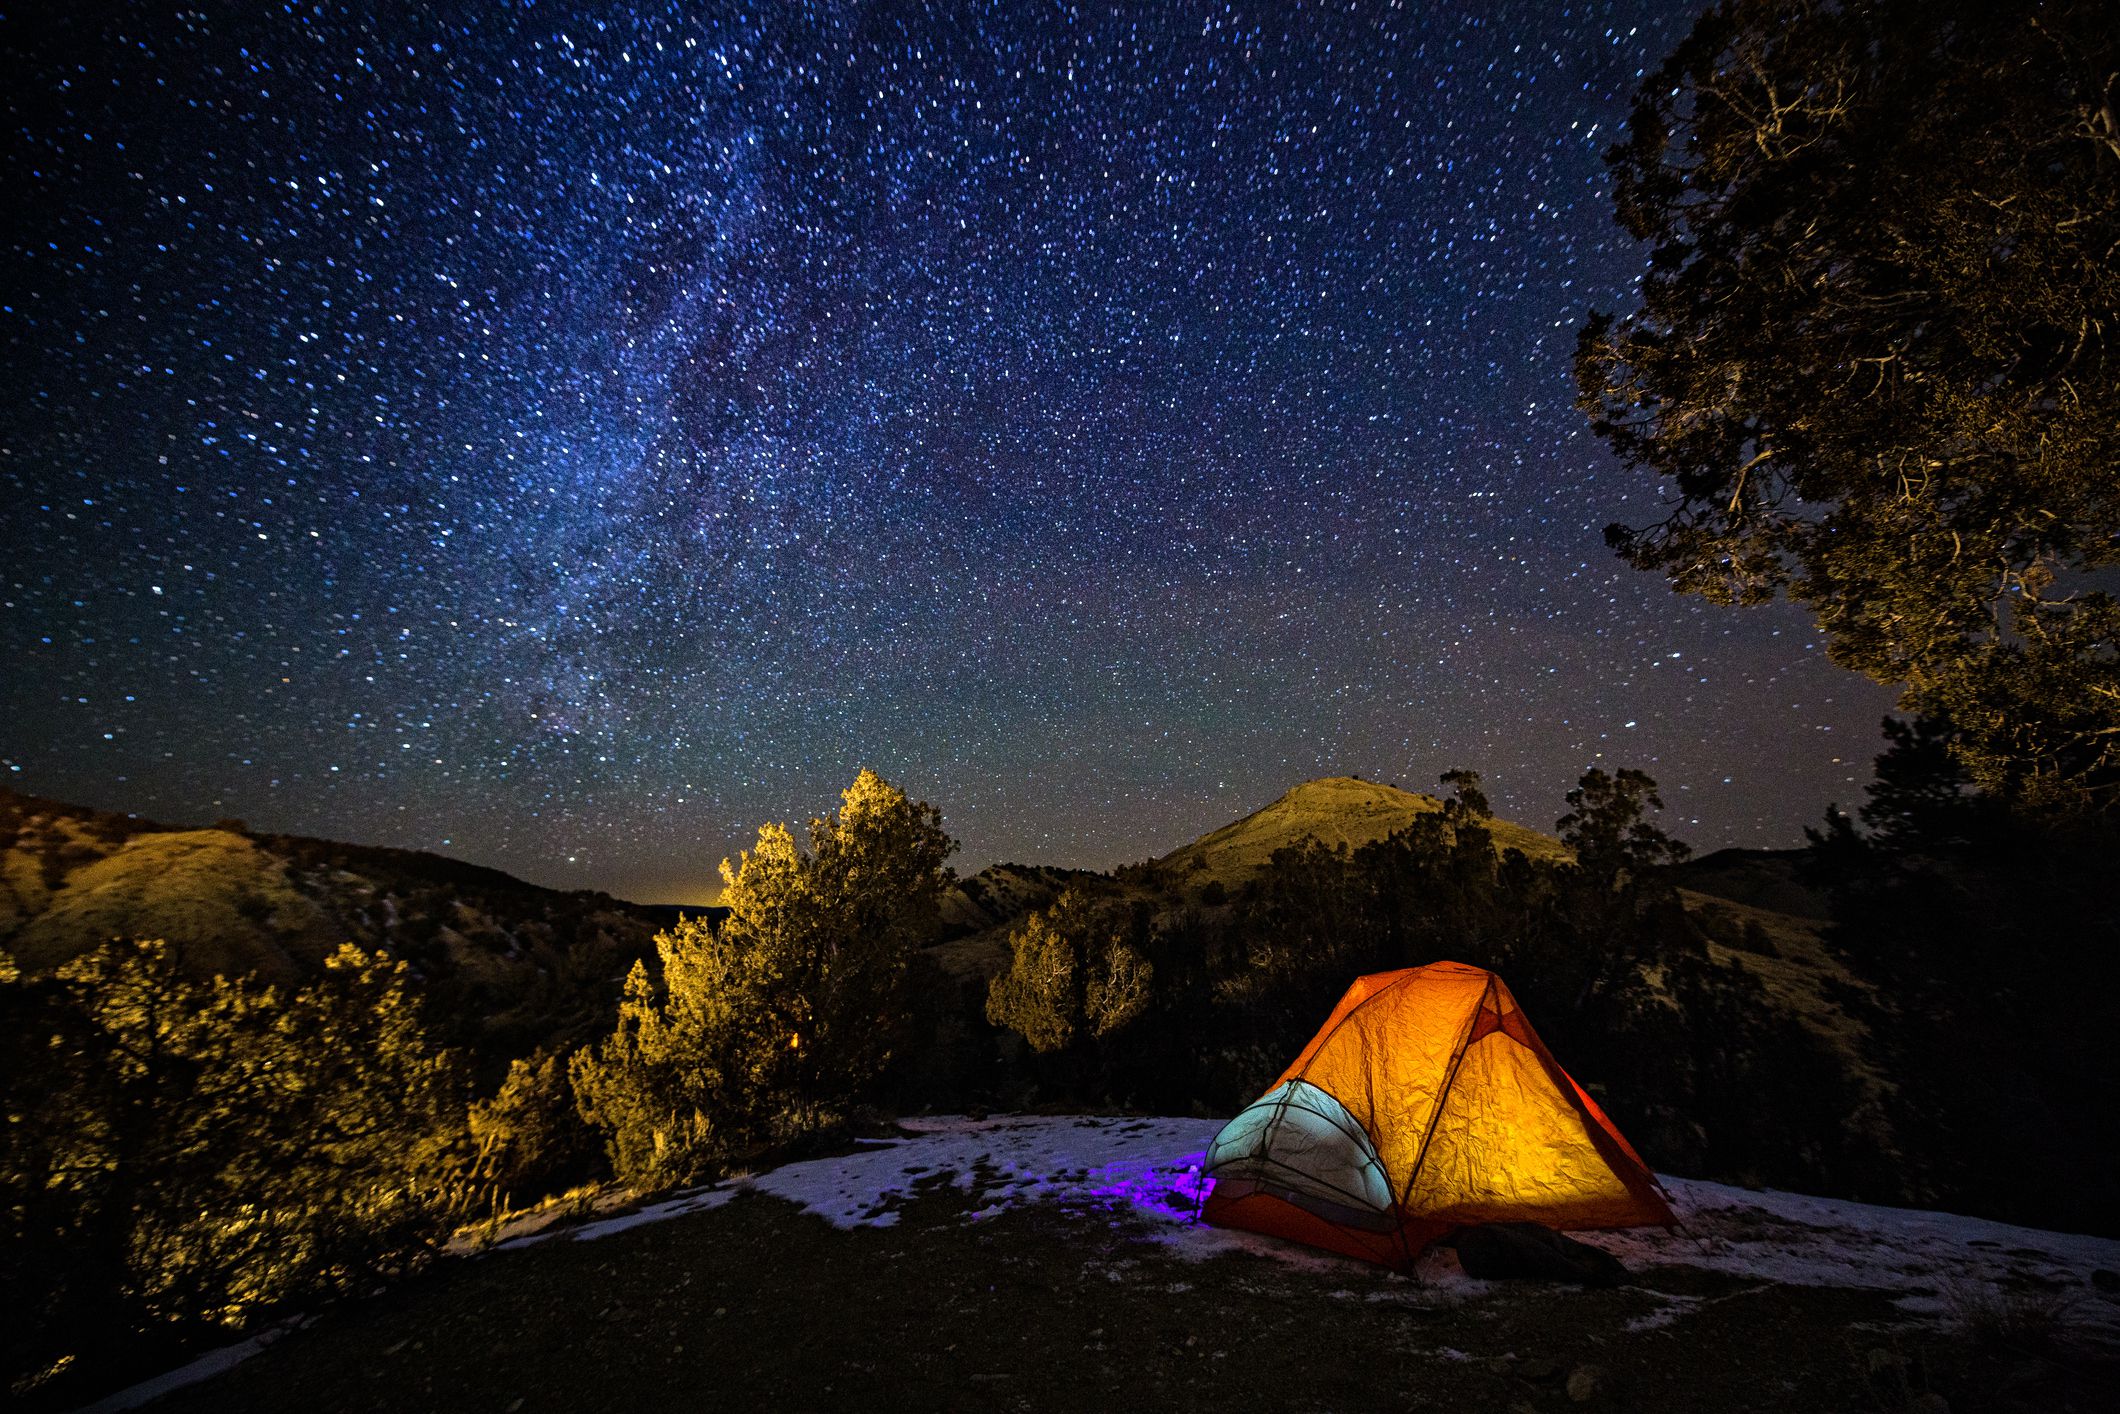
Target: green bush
182,1154
772,1024
1073,976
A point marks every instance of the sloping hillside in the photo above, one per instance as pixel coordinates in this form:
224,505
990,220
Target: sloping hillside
1753,904
514,965
231,906
1756,911
1771,880
1334,810
508,965
1003,892
977,913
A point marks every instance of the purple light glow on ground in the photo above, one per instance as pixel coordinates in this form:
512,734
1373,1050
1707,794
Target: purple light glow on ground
1172,1192
1150,1168
1145,1173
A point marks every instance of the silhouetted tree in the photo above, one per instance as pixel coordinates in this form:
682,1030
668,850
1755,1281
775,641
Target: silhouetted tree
1994,941
1305,928
1875,356
1607,827
1467,801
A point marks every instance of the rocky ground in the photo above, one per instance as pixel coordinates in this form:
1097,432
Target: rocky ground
1043,1263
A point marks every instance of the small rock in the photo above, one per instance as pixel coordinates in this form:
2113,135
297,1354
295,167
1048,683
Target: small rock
1586,1382
1538,1370
720,1311
1928,1402
1884,1362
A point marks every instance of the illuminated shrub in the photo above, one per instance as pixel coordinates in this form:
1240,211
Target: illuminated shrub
771,1024
1073,975
181,1152
529,1138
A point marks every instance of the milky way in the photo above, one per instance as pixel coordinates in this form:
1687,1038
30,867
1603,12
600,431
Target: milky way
565,438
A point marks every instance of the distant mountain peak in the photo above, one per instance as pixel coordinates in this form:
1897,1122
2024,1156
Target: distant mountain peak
1334,810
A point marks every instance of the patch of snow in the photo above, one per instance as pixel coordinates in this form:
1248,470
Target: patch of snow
1664,1315
1147,1172
1798,1240
654,1213
212,1363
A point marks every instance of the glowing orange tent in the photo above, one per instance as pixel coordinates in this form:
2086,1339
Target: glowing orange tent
1426,1101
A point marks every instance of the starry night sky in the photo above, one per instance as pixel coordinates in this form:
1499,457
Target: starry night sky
565,437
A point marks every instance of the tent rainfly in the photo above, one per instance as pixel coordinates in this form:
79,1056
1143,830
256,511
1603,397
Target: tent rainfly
1425,1102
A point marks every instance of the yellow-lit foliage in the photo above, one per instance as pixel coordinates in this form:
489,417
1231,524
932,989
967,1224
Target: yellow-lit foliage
188,1151
771,1023
664,1083
1072,975
528,1138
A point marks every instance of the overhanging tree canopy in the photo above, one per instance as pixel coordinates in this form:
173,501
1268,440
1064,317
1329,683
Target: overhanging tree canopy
1875,356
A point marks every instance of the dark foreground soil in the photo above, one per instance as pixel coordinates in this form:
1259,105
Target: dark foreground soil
757,1306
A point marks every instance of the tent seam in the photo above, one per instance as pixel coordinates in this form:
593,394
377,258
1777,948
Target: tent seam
1406,975
1442,1094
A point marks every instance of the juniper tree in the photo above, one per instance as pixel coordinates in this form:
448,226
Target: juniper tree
183,1152
1074,975
774,1021
1874,362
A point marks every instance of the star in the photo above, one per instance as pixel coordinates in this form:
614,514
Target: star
576,435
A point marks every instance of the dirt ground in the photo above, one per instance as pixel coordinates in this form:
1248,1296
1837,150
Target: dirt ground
756,1306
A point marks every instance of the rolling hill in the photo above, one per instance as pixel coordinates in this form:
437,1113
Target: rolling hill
516,966
1334,810
508,965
